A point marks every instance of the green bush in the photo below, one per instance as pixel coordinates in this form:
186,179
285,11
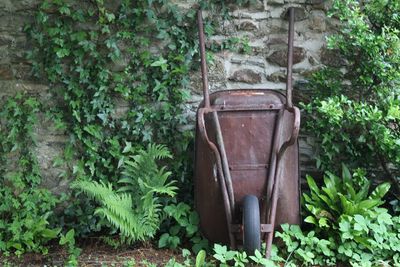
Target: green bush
25,207
348,225
349,195
355,108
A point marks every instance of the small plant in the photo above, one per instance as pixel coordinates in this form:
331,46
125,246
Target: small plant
134,208
68,240
225,256
184,226
348,195
306,248
260,259
129,263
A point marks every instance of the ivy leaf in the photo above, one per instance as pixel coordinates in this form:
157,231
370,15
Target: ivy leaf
127,148
161,62
62,52
110,17
65,10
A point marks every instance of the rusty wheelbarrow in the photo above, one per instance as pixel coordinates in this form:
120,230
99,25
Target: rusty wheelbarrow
246,160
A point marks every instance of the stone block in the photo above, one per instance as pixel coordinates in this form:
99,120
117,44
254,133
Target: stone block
26,4
252,61
10,87
240,14
7,5
277,77
275,2
315,2
14,23
246,76
6,72
299,14
23,71
318,23
7,40
247,25
256,5
279,57
320,4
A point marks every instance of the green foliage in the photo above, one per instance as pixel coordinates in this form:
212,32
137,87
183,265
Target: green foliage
227,257
355,117
135,206
369,240
98,56
224,257
308,248
355,109
200,260
68,240
348,225
349,195
25,207
183,227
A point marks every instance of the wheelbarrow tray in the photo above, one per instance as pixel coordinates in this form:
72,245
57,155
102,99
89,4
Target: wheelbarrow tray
249,120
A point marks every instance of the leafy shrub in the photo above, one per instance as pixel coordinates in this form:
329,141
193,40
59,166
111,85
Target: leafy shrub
349,224
96,55
184,226
355,108
25,206
135,206
348,195
68,240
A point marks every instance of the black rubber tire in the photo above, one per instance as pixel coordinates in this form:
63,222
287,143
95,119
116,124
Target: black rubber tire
251,225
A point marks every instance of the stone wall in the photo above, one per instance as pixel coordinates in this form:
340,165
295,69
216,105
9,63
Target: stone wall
262,23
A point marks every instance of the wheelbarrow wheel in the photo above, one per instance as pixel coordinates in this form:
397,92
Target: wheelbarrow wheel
251,225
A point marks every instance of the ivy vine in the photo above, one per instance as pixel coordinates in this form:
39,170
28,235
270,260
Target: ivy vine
119,74
25,207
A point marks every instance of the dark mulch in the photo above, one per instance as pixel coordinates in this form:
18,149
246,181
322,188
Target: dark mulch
96,253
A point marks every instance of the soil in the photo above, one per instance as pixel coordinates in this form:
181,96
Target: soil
95,253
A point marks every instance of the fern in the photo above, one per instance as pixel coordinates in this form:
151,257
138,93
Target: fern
135,207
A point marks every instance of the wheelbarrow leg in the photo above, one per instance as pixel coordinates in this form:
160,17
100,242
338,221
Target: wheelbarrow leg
221,179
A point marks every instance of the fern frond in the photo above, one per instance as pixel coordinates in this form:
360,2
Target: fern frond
135,208
93,189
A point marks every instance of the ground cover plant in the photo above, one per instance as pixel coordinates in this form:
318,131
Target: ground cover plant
25,207
349,224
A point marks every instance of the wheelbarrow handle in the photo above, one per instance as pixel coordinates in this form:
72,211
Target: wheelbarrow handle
289,75
295,132
204,74
275,190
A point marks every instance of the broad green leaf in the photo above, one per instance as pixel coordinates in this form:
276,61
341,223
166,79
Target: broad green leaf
311,183
380,191
200,258
310,219
346,175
